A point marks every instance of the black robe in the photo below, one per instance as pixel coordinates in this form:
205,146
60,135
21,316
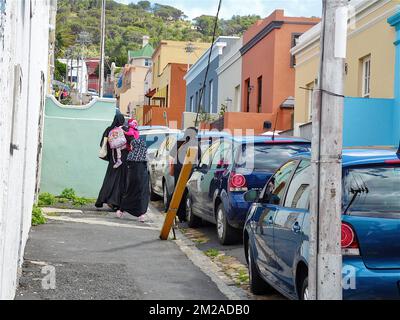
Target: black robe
114,182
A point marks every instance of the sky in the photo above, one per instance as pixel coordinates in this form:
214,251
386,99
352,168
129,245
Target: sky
195,8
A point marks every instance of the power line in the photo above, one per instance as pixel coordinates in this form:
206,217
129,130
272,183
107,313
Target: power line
208,64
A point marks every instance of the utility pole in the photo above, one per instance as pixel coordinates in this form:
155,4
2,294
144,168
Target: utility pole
102,47
325,265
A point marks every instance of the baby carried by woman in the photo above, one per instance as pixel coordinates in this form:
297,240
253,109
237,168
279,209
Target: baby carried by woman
118,141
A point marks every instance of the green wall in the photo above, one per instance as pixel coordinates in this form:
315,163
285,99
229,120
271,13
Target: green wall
71,145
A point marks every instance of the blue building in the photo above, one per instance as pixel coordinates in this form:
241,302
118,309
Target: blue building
195,78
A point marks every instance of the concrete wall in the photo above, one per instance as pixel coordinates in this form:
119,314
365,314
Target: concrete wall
71,145
24,53
366,122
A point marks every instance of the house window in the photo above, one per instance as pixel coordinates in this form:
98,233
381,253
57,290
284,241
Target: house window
167,98
197,101
366,77
191,106
248,91
310,99
147,62
159,65
259,94
211,98
295,38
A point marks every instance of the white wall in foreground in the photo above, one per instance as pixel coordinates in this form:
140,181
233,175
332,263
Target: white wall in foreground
24,52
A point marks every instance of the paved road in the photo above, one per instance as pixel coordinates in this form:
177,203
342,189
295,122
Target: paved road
101,257
207,234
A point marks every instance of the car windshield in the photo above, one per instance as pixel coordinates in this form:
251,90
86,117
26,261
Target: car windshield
267,157
372,189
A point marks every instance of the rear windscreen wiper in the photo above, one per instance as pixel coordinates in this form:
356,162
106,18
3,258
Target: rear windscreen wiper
355,193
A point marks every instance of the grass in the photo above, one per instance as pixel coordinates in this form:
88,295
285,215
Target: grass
212,253
243,277
67,197
37,216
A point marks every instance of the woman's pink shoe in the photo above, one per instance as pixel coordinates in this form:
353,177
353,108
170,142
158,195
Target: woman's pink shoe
120,214
143,218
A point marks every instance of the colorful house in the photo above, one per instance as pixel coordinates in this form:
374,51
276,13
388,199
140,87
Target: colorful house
132,96
207,97
230,77
268,75
372,84
171,60
142,57
168,104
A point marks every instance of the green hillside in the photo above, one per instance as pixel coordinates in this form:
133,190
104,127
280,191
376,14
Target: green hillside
126,24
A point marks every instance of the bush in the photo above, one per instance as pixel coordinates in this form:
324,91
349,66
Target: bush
68,194
46,199
37,216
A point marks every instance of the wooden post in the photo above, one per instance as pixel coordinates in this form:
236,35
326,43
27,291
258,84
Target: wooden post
325,265
184,176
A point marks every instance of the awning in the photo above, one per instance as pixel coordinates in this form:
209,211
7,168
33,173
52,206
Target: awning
288,103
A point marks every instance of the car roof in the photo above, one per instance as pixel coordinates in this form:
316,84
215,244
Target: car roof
160,132
144,128
266,139
363,156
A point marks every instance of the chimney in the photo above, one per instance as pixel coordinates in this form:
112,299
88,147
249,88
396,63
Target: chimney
145,40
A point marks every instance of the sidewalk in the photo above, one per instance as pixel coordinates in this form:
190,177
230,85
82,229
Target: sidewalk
97,256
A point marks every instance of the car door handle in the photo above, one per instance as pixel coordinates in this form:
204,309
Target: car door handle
296,228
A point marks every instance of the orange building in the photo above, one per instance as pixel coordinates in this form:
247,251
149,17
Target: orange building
168,103
268,74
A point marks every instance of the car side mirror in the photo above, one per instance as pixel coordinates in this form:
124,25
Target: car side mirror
251,196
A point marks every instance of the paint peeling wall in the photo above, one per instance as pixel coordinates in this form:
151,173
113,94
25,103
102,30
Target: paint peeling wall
24,52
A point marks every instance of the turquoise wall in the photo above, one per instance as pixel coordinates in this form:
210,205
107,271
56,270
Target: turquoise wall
71,145
368,122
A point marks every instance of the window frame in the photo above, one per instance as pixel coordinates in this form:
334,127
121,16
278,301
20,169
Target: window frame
291,180
366,76
283,199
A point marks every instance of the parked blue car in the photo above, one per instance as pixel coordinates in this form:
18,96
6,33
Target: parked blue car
228,169
276,235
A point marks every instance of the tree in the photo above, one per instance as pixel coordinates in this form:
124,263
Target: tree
144,5
60,71
205,25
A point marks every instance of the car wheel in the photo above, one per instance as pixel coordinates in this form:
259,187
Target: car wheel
192,220
165,198
305,293
153,196
257,284
226,233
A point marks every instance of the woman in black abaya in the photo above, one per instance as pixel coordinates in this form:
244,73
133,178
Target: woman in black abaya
135,199
114,181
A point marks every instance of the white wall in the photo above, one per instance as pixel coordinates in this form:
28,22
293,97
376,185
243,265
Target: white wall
230,77
24,46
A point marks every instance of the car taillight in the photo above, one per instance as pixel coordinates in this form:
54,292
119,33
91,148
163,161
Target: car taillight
349,241
171,167
237,183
